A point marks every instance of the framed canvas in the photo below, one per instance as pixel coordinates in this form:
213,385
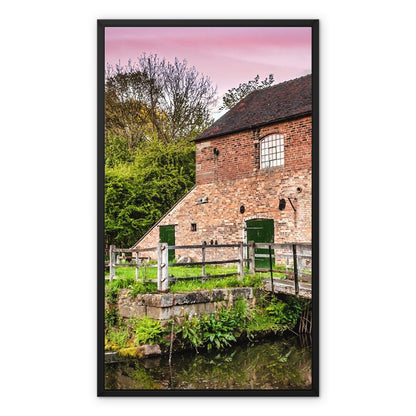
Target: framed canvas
208,245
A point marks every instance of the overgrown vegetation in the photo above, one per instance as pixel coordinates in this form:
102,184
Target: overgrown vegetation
147,331
137,287
207,332
154,109
150,273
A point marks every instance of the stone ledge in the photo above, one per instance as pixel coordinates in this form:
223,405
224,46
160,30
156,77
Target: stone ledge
166,306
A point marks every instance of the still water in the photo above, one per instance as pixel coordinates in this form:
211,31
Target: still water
270,364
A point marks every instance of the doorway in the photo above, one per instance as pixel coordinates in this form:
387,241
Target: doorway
167,235
261,231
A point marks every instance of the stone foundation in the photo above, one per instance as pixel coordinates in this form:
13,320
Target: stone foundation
166,306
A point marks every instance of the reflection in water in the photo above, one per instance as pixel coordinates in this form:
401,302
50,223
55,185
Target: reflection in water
277,364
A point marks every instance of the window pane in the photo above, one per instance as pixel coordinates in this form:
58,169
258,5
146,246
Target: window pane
272,151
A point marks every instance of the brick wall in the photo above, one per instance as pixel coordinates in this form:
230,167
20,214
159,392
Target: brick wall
233,178
238,156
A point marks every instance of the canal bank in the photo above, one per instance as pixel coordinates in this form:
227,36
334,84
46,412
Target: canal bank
149,324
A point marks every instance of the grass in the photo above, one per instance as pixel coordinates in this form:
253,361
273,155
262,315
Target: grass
150,273
178,271
126,278
137,287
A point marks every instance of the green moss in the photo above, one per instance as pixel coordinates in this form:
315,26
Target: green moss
129,352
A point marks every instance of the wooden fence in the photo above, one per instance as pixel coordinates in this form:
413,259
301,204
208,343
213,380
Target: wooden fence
288,253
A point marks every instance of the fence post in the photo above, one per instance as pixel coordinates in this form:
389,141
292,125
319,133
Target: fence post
203,258
137,265
112,262
240,261
162,267
295,269
251,257
271,268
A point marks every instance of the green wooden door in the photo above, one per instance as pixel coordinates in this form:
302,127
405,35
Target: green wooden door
261,231
167,235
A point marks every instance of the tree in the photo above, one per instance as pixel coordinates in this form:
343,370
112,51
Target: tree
235,95
138,193
153,98
153,111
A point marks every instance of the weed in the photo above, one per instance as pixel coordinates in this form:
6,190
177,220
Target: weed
111,294
139,287
147,331
111,317
285,313
116,338
191,332
217,333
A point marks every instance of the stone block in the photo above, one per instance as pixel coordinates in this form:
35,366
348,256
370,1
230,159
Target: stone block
241,292
156,299
155,312
200,296
219,294
131,311
148,350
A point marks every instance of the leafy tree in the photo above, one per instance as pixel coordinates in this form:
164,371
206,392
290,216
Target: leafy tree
117,151
153,110
138,193
153,98
235,95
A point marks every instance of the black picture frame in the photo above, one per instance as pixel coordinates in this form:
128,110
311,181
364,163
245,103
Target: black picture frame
101,65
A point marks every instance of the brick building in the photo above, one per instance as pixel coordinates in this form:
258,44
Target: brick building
253,176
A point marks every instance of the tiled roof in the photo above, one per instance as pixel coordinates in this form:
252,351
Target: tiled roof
279,102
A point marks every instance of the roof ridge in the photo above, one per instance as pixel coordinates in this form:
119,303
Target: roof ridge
273,86
287,99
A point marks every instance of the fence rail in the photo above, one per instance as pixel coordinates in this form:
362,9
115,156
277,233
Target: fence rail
288,251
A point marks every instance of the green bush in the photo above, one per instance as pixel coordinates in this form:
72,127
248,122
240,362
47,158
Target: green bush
118,337
147,331
111,317
139,287
217,332
191,332
285,313
111,294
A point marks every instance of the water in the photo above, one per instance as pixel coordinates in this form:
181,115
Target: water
270,364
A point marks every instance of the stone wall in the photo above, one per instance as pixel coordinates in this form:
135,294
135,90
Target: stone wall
167,306
232,179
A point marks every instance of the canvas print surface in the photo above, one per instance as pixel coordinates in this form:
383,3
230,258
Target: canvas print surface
207,255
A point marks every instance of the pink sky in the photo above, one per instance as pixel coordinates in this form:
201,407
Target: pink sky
228,55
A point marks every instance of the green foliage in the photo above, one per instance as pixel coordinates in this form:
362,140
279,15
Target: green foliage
111,294
111,317
215,331
117,151
138,193
117,338
147,331
191,332
140,287
234,95
113,287
260,323
216,283
221,330
218,331
285,314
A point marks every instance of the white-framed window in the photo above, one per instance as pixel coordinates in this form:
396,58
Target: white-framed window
272,151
